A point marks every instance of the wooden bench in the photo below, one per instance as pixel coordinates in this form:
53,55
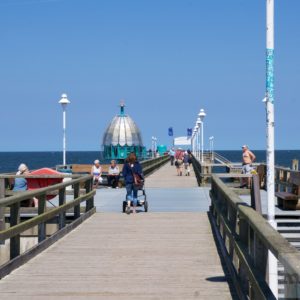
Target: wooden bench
290,200
82,168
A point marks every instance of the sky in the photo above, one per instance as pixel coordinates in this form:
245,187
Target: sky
166,58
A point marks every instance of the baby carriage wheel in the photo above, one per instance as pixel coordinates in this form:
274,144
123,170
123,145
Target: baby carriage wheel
127,210
146,205
124,206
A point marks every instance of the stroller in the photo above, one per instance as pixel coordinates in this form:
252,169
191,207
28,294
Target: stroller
141,200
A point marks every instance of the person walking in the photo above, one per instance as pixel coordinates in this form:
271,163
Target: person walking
179,161
131,168
248,158
172,156
186,162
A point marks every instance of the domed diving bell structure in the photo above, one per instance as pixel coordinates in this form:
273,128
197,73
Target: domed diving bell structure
121,137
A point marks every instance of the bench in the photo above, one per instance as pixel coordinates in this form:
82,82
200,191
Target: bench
81,168
290,200
86,169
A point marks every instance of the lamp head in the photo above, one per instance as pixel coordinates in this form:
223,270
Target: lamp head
64,100
198,121
202,114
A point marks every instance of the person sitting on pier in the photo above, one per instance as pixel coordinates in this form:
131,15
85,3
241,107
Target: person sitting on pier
131,167
96,172
248,159
113,175
20,184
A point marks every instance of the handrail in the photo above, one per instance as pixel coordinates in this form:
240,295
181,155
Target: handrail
38,192
44,215
249,238
150,165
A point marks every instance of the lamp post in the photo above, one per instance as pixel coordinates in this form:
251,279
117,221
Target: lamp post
154,139
64,102
211,147
273,277
202,115
194,140
198,136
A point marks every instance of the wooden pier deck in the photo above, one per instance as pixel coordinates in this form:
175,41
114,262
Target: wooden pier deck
168,253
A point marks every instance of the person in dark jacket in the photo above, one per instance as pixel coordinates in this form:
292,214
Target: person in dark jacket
131,166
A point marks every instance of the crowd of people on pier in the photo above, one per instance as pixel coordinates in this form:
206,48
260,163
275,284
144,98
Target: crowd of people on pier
182,159
132,172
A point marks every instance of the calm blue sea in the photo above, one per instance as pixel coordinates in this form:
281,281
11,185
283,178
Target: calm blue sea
9,161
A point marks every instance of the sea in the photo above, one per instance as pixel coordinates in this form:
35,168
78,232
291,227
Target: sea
9,161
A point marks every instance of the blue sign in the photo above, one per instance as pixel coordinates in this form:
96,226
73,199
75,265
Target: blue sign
189,132
170,131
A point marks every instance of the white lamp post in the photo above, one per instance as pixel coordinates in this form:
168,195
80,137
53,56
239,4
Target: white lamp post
154,143
64,102
198,136
194,140
211,146
202,115
273,277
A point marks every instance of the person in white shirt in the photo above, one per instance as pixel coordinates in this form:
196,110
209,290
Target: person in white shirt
113,175
96,171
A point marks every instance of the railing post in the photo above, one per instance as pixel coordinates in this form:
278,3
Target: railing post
260,258
15,220
244,238
42,226
255,194
2,209
88,188
62,215
232,217
76,195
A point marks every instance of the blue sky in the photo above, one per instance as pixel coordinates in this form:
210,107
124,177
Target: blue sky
166,58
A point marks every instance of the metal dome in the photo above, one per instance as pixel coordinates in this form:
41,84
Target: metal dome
122,131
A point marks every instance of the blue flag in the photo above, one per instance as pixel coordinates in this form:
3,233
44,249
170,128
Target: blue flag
170,131
189,132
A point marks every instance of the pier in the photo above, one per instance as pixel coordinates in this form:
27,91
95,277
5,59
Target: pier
196,242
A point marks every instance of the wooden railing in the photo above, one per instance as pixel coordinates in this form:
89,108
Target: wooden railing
44,214
246,238
150,165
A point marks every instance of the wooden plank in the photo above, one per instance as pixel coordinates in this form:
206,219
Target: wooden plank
25,257
166,177
115,256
